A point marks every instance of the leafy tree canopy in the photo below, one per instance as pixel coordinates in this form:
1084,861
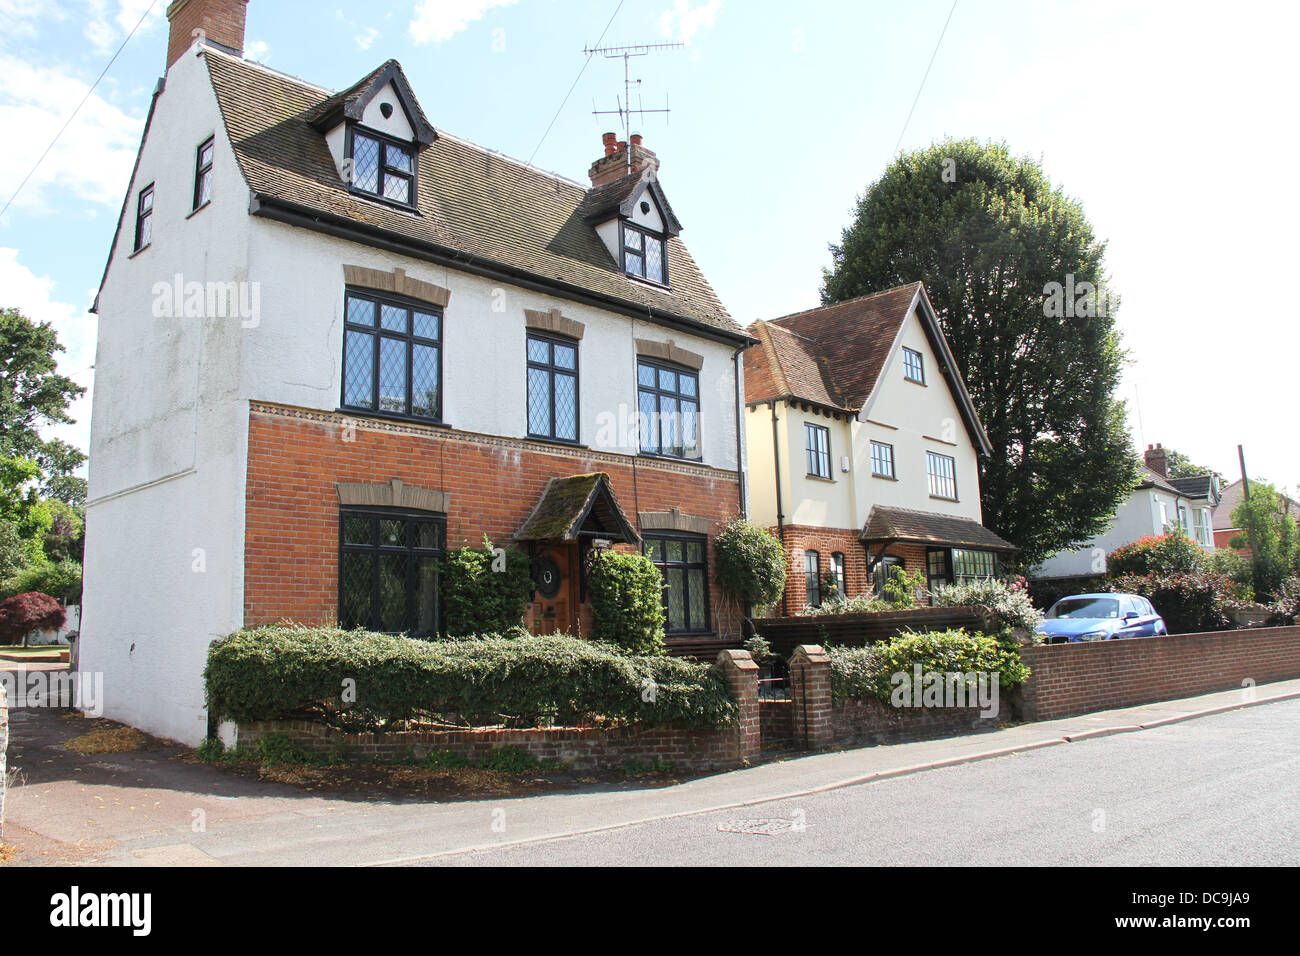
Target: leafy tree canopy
1016,275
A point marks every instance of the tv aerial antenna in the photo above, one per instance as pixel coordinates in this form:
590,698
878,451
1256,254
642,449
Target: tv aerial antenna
625,109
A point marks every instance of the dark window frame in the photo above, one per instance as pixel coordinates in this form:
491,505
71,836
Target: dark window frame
838,572
880,571
553,370
647,235
812,578
701,567
659,365
948,573
938,480
384,168
203,172
892,473
378,333
376,550
919,377
144,218
815,457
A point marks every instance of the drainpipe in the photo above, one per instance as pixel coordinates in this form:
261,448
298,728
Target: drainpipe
780,516
736,368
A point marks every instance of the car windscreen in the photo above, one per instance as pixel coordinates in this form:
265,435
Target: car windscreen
1085,607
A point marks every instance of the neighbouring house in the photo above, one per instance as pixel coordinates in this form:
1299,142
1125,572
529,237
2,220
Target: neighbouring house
864,448
335,341
1157,505
1224,527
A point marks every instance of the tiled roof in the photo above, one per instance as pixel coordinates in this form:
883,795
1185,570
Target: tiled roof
904,524
1197,486
841,348
475,205
618,197
568,505
786,363
1147,478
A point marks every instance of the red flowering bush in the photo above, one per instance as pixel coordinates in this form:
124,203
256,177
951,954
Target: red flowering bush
1173,553
24,613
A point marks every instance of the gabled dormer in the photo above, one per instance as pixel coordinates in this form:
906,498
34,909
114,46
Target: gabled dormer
375,131
627,208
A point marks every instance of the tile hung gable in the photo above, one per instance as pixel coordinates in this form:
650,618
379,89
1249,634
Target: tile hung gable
477,210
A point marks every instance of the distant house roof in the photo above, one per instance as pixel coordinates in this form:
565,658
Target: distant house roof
579,504
1231,495
834,356
479,211
924,527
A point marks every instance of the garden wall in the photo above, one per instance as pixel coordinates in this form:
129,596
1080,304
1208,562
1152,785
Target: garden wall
579,748
1070,679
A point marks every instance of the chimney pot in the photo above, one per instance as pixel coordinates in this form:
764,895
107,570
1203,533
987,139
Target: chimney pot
220,22
637,139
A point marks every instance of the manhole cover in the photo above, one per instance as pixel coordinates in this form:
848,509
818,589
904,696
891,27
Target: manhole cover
768,827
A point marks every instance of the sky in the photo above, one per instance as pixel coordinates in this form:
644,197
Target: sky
1173,124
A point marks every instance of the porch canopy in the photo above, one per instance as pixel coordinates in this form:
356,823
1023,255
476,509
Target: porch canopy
886,526
578,506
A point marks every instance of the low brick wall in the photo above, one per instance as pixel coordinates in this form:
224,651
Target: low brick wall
1069,679
578,748
860,723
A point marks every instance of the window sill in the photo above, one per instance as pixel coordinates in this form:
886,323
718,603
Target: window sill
144,248
658,456
829,481
660,286
884,477
382,201
198,209
944,498
562,442
391,417
914,381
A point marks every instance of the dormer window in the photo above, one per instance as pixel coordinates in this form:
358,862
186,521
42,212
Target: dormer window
644,254
382,167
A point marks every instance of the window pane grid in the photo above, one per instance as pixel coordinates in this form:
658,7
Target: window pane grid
682,560
144,219
812,568
669,407
552,388
943,476
383,169
882,459
913,366
388,571
391,358
817,443
644,254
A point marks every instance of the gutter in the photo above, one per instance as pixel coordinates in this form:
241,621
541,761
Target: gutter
294,214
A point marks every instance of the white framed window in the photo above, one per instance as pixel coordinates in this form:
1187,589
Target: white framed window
882,460
942,470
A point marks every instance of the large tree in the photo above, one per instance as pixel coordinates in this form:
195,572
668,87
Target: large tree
33,395
1016,276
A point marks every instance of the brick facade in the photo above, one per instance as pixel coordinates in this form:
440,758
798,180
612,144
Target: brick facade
826,541
297,459
221,21
1070,679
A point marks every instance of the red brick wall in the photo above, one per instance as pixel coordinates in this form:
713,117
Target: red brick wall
1080,678
826,541
222,21
296,457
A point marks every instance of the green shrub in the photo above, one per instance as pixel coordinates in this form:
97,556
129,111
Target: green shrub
279,751
1189,603
509,759
1173,553
1010,602
1238,569
901,587
858,604
272,673
483,592
863,673
626,594
1286,609
210,751
749,563
443,760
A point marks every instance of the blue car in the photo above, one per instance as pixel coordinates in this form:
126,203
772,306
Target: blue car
1101,617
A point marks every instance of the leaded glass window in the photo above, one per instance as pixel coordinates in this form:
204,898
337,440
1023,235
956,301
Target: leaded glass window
382,167
644,254
552,387
392,356
388,570
683,562
668,399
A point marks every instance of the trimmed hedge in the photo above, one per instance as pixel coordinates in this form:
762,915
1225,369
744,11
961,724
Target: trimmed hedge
626,593
863,673
359,681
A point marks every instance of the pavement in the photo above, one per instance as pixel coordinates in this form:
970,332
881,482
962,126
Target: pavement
150,808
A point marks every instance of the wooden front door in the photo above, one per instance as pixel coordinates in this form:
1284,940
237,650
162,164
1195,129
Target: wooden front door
556,577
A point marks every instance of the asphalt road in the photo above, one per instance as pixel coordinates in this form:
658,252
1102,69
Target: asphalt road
1221,790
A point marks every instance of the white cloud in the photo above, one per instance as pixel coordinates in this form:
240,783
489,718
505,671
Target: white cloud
683,21
92,159
366,38
257,50
438,20
109,21
31,294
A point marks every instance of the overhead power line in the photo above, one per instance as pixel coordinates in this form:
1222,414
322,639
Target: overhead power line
908,121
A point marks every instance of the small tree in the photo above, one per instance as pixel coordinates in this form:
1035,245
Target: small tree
24,613
1270,534
485,589
626,592
750,564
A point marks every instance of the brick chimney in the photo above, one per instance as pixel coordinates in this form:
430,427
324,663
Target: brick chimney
614,164
1157,460
222,23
